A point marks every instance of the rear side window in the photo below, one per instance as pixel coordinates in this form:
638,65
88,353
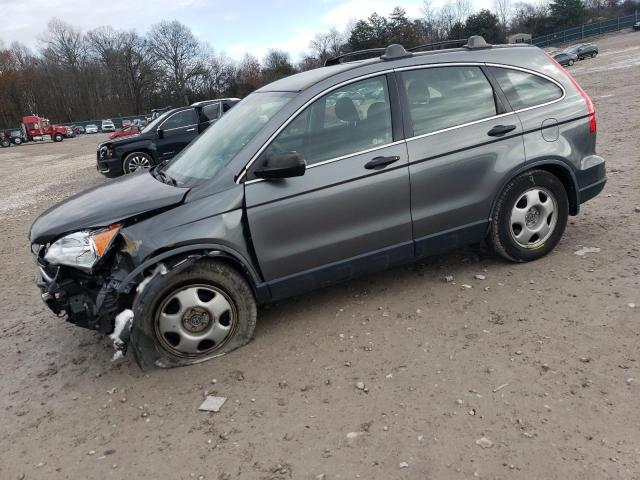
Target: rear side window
444,97
524,90
211,112
348,120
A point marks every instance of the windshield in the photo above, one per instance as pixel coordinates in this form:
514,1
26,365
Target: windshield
154,123
216,147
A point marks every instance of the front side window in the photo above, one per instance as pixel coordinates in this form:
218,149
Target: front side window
348,120
524,89
217,146
444,97
180,119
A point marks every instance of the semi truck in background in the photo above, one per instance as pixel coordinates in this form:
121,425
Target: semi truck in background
39,128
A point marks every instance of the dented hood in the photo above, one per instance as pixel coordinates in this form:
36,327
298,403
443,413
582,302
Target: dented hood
105,204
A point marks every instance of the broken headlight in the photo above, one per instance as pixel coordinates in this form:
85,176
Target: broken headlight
81,249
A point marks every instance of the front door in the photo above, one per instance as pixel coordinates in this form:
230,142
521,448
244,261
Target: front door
462,140
177,132
349,213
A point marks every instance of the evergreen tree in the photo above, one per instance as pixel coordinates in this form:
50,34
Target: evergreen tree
568,13
486,24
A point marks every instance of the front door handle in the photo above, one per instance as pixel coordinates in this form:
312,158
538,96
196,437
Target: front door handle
194,129
500,130
380,162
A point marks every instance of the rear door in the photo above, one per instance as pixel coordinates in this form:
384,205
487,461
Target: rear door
344,216
177,131
462,141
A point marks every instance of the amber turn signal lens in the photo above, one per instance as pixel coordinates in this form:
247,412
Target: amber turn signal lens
102,239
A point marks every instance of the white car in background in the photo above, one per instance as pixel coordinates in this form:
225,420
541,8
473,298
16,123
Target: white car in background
107,126
91,129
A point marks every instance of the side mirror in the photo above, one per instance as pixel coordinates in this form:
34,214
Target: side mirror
160,133
282,165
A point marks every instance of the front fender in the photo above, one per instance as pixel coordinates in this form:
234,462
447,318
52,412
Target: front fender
214,225
194,252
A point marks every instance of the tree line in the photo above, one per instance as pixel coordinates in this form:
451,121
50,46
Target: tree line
106,72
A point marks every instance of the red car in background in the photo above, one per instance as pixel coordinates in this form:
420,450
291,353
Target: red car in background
125,132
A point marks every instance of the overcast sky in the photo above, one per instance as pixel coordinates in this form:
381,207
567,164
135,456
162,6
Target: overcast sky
234,27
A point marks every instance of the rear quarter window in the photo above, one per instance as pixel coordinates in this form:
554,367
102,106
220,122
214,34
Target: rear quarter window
524,90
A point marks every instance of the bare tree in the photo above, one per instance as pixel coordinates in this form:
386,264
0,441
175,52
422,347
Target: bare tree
462,9
327,45
220,73
177,51
277,64
503,9
64,44
249,75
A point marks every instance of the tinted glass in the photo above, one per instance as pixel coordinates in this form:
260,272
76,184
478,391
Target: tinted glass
444,97
348,120
211,112
180,119
212,150
525,89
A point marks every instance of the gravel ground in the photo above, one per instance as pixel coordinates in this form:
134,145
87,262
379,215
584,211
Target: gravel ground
531,373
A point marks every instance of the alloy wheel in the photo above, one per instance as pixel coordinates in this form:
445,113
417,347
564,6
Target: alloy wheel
533,218
138,162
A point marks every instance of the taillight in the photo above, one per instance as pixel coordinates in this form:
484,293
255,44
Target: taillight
593,126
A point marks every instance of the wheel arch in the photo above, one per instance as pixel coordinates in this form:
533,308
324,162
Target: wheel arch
184,256
559,169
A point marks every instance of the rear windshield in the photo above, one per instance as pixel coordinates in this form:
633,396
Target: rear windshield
524,90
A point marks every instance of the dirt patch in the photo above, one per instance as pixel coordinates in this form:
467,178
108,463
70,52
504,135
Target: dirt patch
531,373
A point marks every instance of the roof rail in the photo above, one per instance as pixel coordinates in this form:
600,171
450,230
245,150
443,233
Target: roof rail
396,51
338,60
437,45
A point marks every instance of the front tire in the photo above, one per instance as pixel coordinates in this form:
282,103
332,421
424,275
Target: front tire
17,141
530,216
571,62
58,137
186,317
137,161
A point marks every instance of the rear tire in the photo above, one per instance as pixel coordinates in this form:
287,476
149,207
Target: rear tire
530,216
190,316
5,143
137,161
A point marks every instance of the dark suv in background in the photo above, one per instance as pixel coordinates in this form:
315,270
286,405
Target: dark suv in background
161,139
583,50
318,178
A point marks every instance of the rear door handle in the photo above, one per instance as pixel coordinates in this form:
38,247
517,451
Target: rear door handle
379,163
500,130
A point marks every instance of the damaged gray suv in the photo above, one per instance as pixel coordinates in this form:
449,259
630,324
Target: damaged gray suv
320,177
